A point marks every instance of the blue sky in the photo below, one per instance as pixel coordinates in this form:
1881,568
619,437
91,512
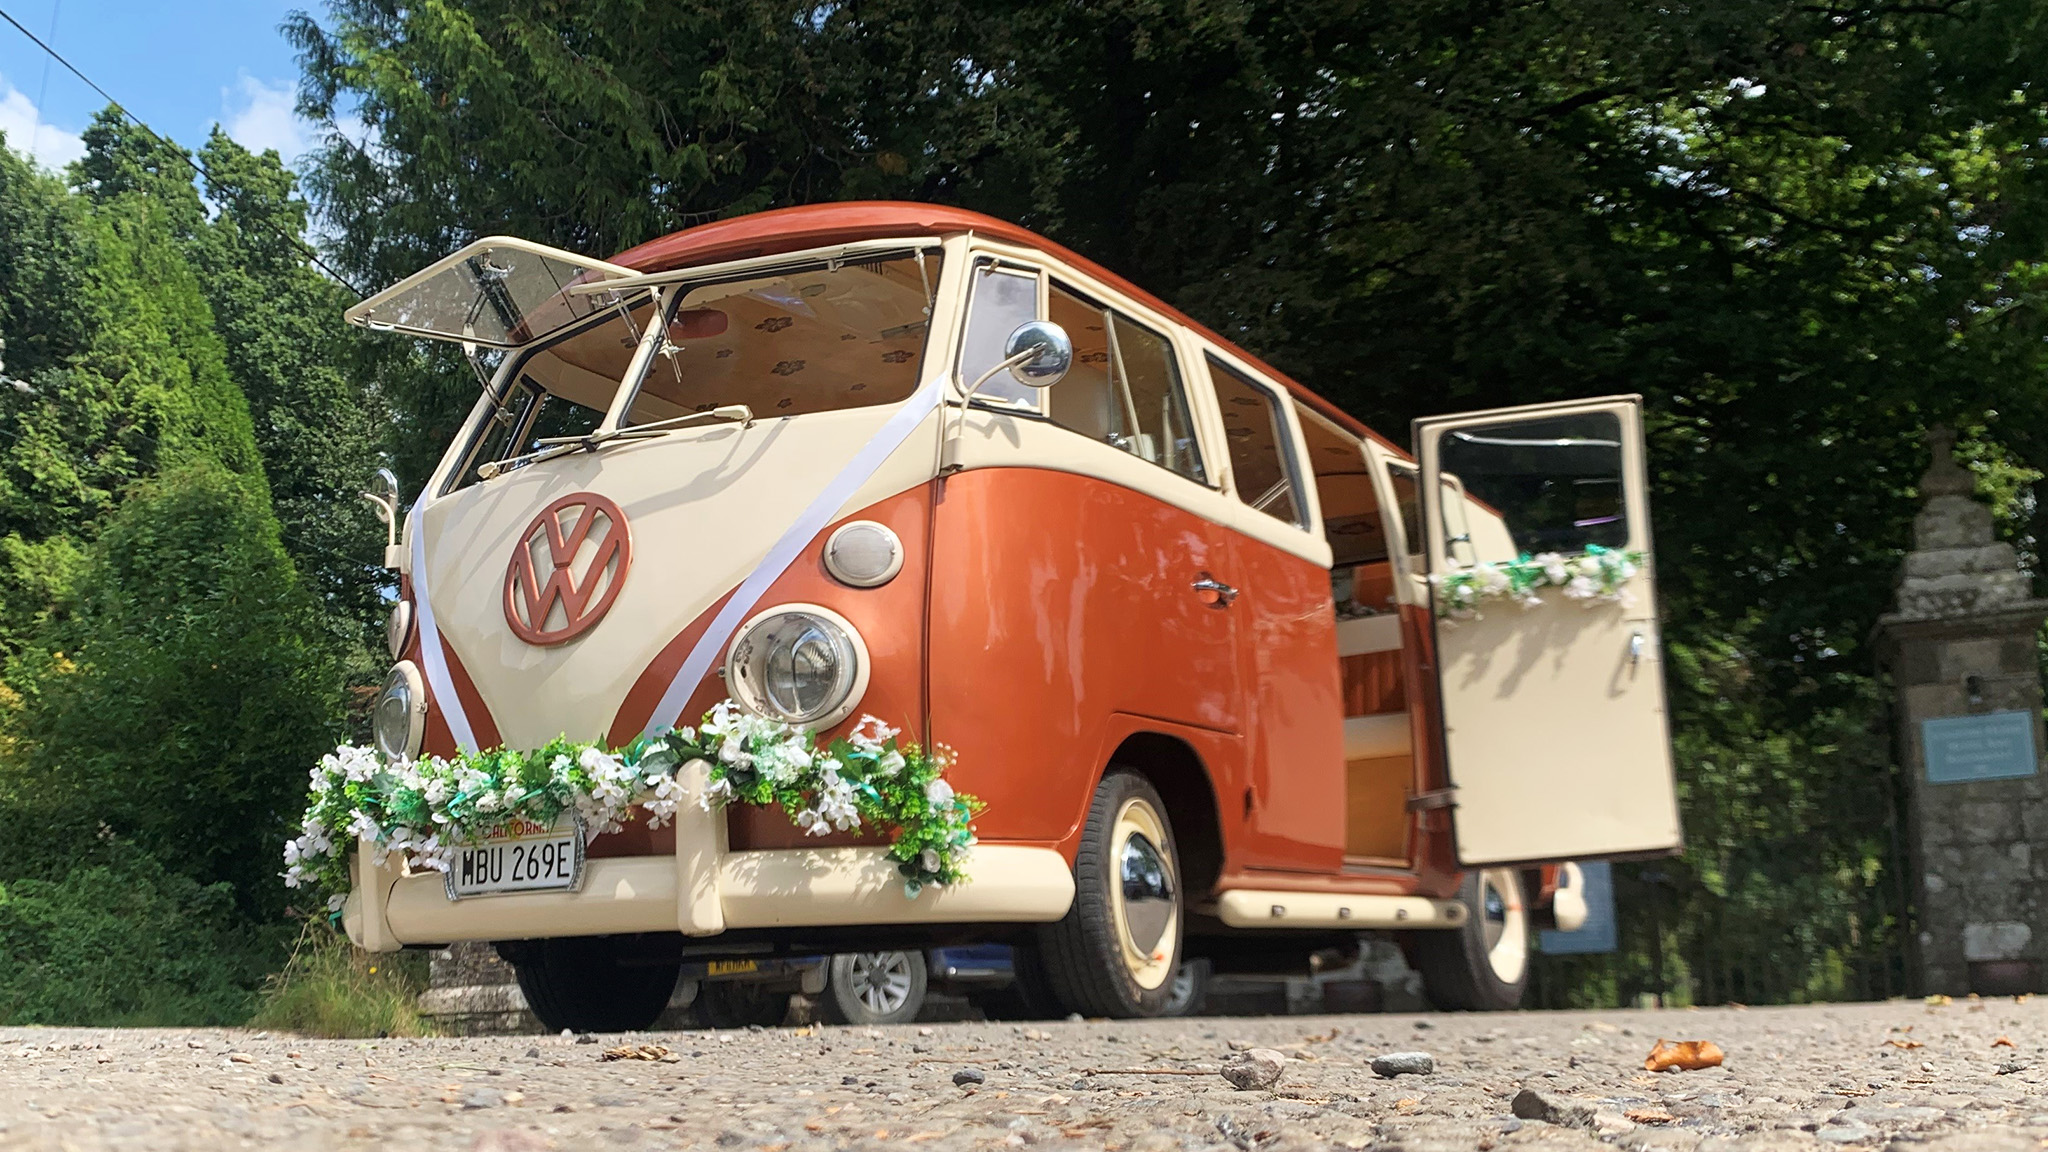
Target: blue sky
180,65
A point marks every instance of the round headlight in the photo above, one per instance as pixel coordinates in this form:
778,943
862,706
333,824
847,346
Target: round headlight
398,628
800,664
399,719
864,554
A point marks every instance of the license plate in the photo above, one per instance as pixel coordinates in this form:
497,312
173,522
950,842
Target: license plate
731,967
520,856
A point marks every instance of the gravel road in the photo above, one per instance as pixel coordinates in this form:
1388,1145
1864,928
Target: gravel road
1865,1075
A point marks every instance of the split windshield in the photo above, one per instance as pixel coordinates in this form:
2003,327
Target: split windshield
789,341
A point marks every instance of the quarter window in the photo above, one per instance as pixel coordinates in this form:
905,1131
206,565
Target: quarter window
1000,300
1261,456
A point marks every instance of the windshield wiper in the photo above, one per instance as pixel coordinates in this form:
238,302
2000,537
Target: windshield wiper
553,446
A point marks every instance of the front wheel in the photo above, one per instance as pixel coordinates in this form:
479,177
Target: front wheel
1116,951
874,988
589,984
1482,965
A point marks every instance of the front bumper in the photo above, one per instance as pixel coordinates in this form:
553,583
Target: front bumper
705,889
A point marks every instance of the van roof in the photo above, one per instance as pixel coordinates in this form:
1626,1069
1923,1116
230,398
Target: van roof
821,225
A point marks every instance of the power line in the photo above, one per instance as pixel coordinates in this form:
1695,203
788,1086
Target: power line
311,253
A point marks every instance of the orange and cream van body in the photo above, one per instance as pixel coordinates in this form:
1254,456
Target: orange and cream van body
1188,629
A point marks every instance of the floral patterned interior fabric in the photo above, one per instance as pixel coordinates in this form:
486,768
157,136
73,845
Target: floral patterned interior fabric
786,343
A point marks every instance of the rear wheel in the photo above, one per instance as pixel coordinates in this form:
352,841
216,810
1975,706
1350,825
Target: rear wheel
586,984
1116,950
874,988
1190,988
735,1004
1482,965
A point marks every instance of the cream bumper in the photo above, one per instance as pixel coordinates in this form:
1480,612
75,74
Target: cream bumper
704,889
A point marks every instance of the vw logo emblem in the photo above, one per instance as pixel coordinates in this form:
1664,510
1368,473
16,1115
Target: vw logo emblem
567,568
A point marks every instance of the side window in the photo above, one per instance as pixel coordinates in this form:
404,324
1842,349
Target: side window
1260,455
1125,387
999,299
1548,484
1408,499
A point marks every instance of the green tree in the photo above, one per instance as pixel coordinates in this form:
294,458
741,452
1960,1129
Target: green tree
316,426
178,700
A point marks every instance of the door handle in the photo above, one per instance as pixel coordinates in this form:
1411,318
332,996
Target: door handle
1214,592
1635,650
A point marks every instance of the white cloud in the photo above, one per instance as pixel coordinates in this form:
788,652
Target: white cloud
26,131
260,116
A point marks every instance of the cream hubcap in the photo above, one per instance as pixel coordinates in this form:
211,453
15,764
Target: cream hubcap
1144,894
1505,923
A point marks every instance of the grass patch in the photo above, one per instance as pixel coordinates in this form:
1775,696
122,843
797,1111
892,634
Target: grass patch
331,988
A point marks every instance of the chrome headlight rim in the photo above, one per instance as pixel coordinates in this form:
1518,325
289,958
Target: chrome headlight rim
405,687
846,573
745,686
398,627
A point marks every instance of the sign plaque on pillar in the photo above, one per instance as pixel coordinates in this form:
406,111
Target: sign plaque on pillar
1991,746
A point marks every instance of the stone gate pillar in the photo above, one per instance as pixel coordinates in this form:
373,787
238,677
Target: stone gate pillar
1961,651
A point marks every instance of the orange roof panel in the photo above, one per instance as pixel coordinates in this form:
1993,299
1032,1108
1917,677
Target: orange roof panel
822,225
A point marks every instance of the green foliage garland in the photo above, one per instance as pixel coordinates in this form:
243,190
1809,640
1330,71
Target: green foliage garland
426,808
1598,574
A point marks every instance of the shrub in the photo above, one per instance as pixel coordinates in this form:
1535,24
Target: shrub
331,988
177,700
127,943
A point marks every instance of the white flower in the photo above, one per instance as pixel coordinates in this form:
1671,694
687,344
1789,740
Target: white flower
1492,580
938,793
812,823
929,860
335,902
870,734
1553,567
717,794
835,805
1582,588
890,764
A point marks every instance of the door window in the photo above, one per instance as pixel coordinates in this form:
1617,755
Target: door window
999,300
1547,484
1261,455
1124,388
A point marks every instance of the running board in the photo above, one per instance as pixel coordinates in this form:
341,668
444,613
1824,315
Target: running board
1250,908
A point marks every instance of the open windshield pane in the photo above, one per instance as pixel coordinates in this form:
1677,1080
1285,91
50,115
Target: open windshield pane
789,342
502,293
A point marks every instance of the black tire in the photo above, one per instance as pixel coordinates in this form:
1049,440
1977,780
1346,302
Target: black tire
873,988
738,1004
1190,988
1483,965
581,983
1115,951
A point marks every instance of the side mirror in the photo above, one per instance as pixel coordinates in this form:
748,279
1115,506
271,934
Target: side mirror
1052,353
384,498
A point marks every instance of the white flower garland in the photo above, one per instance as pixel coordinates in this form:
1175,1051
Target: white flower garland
1598,575
425,808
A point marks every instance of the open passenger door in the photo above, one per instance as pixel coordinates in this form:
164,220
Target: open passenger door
1537,535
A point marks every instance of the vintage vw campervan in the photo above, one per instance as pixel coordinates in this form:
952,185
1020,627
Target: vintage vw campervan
1231,676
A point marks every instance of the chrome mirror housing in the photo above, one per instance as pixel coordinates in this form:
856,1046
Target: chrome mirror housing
1053,353
384,498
